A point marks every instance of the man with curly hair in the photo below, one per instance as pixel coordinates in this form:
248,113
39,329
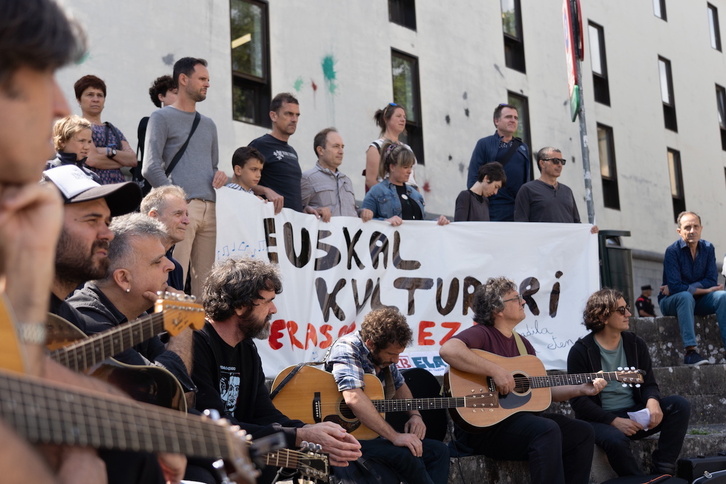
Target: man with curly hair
559,449
374,349
238,298
610,346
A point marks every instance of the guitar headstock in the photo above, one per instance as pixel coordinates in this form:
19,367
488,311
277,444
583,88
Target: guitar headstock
629,376
236,466
180,311
482,400
312,463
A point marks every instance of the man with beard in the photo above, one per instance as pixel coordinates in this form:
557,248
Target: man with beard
82,255
374,349
238,299
181,149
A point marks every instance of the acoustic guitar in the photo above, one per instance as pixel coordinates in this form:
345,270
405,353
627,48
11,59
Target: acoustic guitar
312,396
150,384
531,393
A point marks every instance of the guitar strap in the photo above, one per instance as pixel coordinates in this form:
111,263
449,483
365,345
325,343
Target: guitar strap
290,376
520,344
389,387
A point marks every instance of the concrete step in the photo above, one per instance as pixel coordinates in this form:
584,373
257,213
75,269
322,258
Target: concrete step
701,440
664,339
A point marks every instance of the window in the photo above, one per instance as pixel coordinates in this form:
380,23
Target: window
608,168
250,62
713,27
666,94
599,64
674,168
406,91
402,12
513,39
522,105
721,105
659,9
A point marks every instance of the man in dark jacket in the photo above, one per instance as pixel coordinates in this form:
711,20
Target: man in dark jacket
620,413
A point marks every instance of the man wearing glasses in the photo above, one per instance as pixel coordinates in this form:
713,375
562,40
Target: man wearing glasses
620,413
545,199
559,449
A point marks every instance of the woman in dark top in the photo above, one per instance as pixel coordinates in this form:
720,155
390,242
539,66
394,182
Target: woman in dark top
393,199
472,205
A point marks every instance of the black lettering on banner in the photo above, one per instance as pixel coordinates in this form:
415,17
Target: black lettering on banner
555,296
378,245
332,254
376,297
467,293
410,284
270,239
398,261
327,301
528,288
350,243
369,290
306,250
450,300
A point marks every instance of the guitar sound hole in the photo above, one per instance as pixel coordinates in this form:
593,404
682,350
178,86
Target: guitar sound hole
521,383
346,412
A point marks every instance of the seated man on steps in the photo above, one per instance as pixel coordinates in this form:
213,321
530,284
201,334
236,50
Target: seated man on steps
559,449
383,336
690,284
610,346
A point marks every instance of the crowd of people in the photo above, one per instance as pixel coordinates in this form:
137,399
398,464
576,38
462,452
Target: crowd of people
89,246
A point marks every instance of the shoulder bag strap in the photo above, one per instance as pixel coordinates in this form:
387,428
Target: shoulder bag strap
181,151
516,143
290,376
520,344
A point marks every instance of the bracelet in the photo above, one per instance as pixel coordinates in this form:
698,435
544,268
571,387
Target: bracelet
32,333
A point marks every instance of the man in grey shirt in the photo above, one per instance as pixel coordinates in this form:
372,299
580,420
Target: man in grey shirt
546,199
196,172
325,188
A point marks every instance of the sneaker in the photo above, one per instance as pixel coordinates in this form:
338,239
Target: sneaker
694,359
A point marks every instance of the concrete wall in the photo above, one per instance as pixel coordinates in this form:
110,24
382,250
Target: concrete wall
463,76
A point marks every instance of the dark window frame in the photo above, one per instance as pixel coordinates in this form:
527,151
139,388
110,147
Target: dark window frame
524,130
669,106
721,110
675,174
514,44
258,88
413,136
610,189
714,27
662,6
403,13
601,86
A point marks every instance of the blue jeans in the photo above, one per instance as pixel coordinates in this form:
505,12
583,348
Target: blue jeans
673,427
684,305
431,468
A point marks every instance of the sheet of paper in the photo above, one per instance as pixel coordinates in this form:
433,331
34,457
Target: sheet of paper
641,416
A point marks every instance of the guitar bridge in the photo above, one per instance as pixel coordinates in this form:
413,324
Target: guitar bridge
317,410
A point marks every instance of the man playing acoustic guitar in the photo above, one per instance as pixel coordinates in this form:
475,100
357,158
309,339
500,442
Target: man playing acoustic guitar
608,346
375,348
559,449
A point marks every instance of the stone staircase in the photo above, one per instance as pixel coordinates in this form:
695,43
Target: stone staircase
704,386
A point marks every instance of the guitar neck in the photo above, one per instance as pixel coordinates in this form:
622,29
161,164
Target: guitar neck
88,352
46,413
403,405
575,379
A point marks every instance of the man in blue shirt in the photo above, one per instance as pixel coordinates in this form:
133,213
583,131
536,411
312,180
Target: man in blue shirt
511,152
690,284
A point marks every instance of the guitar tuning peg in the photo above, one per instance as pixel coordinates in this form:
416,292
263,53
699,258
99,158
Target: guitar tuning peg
193,298
212,413
620,368
318,449
637,385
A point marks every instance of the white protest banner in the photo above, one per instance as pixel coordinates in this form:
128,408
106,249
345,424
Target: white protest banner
334,273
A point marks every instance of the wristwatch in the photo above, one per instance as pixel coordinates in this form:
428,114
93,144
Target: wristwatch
110,152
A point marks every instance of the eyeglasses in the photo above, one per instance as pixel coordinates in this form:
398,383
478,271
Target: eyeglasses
623,309
556,161
518,298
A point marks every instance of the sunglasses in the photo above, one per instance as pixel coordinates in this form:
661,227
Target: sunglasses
623,309
556,161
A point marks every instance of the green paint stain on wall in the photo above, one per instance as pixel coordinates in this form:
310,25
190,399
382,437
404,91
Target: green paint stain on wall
329,73
298,84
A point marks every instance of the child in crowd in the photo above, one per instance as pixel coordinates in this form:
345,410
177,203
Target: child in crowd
247,163
72,139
